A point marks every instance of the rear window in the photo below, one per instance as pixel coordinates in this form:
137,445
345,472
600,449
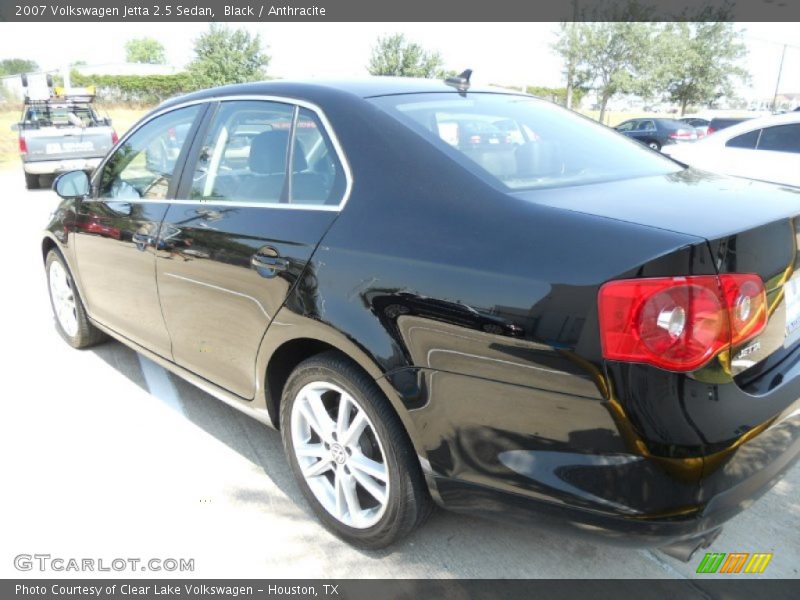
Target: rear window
61,115
522,142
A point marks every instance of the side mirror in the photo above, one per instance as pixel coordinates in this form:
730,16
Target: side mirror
15,127
107,121
74,184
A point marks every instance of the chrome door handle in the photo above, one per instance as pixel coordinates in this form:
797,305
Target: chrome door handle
274,263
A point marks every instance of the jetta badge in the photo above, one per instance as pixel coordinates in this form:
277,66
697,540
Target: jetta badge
748,350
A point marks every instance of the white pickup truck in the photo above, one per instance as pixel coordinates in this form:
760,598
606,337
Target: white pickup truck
60,131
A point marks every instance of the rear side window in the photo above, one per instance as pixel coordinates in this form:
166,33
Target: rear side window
521,142
244,153
250,148
781,138
746,140
317,174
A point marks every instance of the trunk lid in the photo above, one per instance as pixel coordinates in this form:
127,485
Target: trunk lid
751,227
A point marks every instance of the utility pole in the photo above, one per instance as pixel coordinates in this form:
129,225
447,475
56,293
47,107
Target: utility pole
778,83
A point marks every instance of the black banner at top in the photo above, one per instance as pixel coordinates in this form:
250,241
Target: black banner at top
397,10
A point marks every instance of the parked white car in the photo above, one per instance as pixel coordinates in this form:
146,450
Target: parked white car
767,148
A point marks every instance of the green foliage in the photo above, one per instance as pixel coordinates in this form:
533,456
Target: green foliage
617,58
141,89
394,55
569,47
225,56
557,95
698,62
145,50
685,62
15,66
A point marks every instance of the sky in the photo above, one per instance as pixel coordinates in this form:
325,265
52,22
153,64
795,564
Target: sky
499,53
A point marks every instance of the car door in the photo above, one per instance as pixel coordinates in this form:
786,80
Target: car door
645,130
264,183
627,127
116,228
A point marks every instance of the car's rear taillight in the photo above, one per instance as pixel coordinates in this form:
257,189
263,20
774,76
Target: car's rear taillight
679,323
114,137
681,134
23,146
710,130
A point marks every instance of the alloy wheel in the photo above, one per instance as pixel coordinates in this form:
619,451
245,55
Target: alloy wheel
64,302
339,454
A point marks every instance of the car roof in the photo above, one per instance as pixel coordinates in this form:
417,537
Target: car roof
364,88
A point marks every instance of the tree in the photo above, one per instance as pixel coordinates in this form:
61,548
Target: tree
569,47
145,50
557,95
15,66
394,55
225,55
699,62
616,58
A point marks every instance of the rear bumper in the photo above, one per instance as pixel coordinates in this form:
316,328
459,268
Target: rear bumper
730,484
51,167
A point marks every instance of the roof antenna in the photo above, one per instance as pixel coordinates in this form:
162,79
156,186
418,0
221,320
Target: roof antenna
460,82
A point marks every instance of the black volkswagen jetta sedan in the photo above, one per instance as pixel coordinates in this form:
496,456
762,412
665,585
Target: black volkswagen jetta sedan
542,317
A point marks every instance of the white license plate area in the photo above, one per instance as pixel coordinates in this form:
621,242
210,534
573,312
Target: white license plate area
791,297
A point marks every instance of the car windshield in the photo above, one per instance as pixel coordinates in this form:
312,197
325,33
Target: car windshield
522,142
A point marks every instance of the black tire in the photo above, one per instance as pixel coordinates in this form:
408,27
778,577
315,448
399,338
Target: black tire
87,334
654,145
31,181
409,503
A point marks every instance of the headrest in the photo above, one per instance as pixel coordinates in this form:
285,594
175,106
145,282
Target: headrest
268,153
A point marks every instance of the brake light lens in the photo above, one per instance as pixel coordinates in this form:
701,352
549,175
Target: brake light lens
114,137
710,130
23,146
679,323
682,134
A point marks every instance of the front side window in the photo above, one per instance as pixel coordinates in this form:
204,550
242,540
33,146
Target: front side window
144,164
781,138
552,146
253,145
627,126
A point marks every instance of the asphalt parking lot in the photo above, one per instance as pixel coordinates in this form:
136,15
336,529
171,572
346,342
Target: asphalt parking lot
106,455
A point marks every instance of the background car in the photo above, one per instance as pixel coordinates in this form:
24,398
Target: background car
766,148
657,133
699,123
718,123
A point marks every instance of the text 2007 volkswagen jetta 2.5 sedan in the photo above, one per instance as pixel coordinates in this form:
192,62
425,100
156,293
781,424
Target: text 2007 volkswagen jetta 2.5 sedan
444,295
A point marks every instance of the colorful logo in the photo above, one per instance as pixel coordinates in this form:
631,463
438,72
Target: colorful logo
734,562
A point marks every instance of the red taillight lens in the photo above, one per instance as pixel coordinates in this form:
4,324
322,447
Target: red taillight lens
679,323
23,146
746,299
114,138
710,130
680,134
